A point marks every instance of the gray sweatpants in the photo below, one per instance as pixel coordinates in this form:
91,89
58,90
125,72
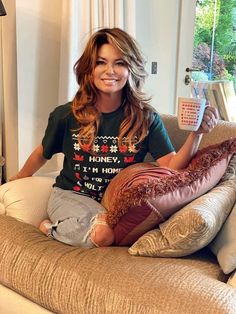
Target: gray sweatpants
72,216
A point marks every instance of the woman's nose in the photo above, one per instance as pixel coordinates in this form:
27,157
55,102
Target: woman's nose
110,68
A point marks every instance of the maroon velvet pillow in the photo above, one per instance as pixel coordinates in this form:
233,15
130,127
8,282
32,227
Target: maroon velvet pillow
143,195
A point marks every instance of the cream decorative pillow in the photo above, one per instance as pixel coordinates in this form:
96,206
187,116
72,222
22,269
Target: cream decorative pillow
26,199
224,245
192,227
232,280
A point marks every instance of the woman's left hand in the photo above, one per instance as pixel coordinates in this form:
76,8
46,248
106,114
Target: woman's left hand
209,120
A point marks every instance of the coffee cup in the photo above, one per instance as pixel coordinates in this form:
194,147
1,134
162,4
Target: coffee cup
190,113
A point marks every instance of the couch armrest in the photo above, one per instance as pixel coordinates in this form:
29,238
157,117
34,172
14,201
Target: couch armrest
26,199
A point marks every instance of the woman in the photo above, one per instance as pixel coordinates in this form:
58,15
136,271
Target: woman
108,126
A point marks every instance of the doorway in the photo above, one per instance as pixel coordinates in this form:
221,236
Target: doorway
207,53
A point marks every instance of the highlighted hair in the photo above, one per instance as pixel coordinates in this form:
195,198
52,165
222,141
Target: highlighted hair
137,111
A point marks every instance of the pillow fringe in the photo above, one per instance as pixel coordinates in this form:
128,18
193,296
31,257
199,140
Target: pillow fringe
198,167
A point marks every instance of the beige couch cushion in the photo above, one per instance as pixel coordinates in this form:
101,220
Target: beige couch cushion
71,280
223,131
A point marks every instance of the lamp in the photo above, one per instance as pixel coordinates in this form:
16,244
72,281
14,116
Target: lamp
2,9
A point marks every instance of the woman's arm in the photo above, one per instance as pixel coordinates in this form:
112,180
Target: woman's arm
32,164
182,158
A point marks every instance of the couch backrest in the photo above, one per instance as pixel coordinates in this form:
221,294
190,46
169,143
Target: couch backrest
223,131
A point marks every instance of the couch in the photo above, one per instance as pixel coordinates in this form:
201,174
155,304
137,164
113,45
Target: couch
41,275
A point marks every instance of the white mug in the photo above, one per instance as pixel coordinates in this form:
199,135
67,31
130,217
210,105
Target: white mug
190,113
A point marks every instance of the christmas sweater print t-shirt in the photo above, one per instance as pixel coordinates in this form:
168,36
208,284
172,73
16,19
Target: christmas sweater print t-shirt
88,171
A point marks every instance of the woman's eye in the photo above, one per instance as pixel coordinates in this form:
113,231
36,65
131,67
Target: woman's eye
121,63
99,62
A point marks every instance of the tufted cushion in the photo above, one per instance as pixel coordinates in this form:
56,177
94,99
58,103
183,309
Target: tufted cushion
144,195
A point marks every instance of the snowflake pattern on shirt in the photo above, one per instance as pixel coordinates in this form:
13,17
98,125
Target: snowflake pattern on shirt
94,168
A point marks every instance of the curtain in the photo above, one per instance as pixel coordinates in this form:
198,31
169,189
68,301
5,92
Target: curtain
8,90
1,103
80,18
1,87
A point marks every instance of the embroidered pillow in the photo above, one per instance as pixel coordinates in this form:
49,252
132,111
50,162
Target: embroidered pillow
143,195
192,227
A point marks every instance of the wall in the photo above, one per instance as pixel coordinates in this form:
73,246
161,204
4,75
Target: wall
157,33
38,59
31,46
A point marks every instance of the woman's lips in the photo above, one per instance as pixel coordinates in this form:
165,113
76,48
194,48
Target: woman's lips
109,81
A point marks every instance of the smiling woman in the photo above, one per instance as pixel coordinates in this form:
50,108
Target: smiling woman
111,54
108,126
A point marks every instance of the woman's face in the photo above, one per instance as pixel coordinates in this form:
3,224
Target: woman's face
111,71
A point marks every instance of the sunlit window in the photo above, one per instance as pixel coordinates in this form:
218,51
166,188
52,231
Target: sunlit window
215,41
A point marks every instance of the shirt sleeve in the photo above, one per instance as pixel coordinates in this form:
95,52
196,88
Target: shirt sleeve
53,138
159,143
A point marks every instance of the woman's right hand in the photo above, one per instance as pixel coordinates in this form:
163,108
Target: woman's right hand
32,164
16,177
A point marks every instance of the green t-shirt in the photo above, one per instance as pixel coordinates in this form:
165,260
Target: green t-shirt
87,172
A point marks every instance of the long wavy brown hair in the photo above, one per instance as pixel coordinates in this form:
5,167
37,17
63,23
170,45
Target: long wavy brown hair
137,110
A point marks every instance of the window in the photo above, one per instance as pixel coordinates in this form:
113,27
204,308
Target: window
215,41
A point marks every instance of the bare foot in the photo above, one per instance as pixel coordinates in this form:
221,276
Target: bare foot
45,226
102,234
